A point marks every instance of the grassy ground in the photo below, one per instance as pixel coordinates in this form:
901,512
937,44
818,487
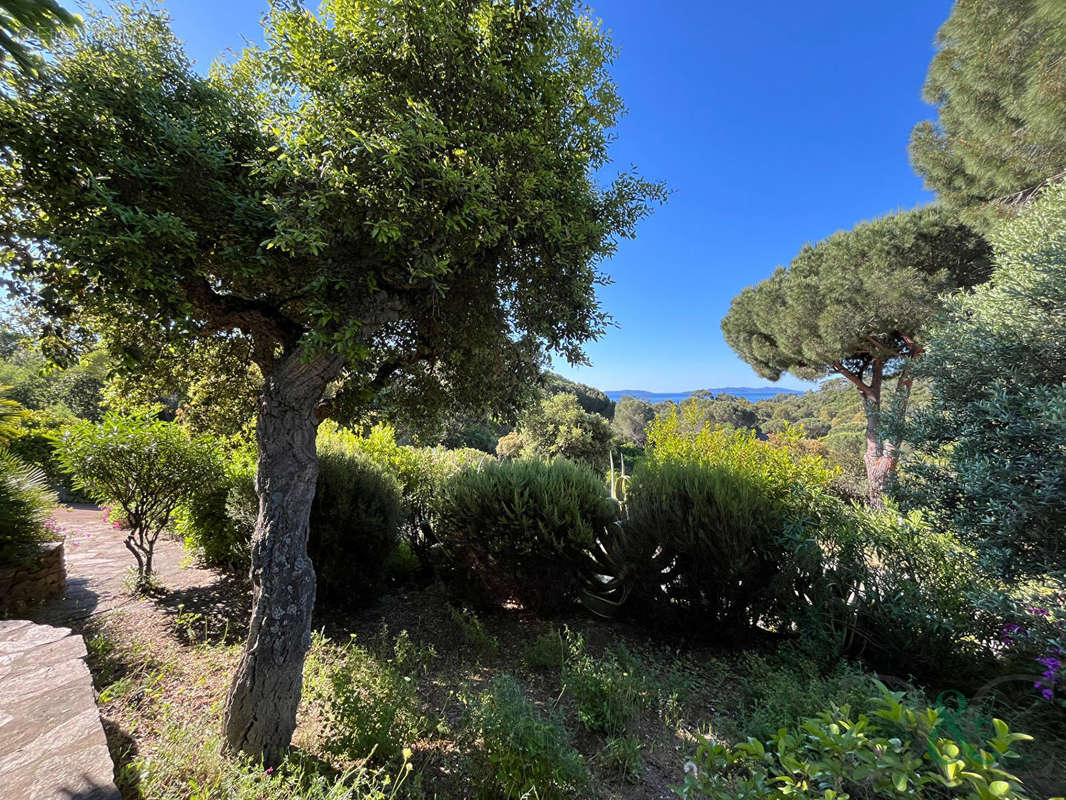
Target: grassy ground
632,714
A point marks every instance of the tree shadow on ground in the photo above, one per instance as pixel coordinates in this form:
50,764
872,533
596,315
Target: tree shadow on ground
217,612
123,750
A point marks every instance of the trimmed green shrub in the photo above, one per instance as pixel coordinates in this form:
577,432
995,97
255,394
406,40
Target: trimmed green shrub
143,465
33,440
26,506
522,753
218,518
522,529
355,519
896,751
720,527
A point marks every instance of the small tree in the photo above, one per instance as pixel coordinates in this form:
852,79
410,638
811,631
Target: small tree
631,416
855,305
560,428
142,464
393,202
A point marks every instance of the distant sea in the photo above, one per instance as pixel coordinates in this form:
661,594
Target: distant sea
748,392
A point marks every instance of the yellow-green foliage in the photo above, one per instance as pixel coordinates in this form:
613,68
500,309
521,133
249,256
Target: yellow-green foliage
779,467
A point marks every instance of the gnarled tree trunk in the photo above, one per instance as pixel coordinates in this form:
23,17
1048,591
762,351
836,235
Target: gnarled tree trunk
264,695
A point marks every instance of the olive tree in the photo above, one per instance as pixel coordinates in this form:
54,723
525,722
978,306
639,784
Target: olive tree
855,304
391,201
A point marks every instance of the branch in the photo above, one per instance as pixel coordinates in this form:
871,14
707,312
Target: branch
258,319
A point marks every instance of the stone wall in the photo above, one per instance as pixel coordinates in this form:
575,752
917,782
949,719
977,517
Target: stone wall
25,585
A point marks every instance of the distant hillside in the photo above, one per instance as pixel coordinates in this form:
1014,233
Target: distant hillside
747,392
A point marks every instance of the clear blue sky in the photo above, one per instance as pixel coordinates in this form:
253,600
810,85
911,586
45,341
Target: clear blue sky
774,123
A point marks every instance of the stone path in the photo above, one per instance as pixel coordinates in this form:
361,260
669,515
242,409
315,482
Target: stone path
52,745
51,742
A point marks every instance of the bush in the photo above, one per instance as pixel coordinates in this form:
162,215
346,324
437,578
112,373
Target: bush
26,506
33,441
218,518
897,751
143,465
522,529
560,428
522,753
718,525
355,519
905,598
366,706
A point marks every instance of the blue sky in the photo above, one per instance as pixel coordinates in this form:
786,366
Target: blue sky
774,123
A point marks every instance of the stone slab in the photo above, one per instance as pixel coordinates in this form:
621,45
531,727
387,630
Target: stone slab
52,745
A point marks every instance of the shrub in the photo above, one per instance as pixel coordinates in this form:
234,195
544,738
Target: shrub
621,756
560,428
906,598
717,522
522,529
522,753
355,519
142,464
218,518
366,706
547,652
474,632
26,506
353,528
33,441
897,751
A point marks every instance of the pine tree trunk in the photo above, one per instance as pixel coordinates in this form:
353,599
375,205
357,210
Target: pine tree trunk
264,695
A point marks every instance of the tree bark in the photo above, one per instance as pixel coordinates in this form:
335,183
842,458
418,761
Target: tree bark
264,695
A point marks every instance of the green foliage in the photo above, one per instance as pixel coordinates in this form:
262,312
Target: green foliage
715,519
26,505
74,390
559,428
354,524
521,529
34,441
35,20
192,766
366,706
631,417
217,519
144,465
474,632
522,753
591,399
621,756
422,473
996,82
855,304
261,179
896,751
905,598
548,651
991,443
609,690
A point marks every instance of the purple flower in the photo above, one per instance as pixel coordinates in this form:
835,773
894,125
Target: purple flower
1048,694
1040,612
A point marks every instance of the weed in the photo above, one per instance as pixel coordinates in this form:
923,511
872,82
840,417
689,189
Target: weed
621,757
474,632
548,652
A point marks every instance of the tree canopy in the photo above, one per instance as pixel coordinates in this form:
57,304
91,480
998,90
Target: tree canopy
991,443
997,82
855,304
396,201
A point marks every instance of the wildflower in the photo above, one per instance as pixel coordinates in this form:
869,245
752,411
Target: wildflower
1040,612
